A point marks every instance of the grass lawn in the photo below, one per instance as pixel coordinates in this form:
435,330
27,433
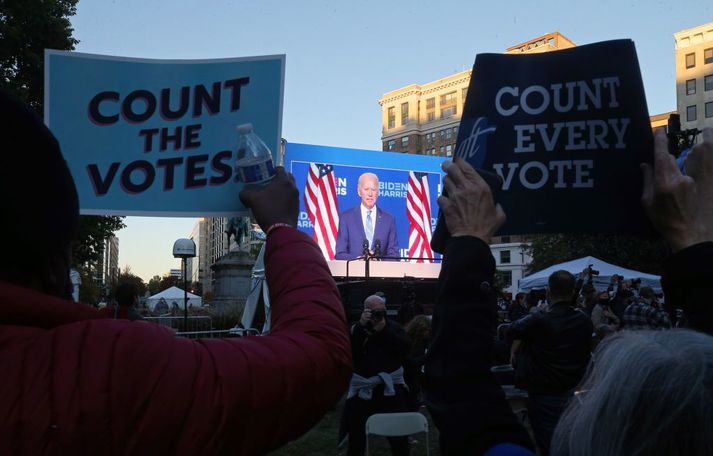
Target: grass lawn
322,439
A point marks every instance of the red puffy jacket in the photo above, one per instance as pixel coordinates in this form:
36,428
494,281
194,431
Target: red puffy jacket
71,383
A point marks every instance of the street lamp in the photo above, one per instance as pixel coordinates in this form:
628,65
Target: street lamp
184,249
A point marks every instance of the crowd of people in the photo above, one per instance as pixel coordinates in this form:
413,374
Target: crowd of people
77,382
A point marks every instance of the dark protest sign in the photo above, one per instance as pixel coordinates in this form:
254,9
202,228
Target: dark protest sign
566,132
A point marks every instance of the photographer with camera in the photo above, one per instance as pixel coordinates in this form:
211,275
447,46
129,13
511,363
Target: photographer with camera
379,349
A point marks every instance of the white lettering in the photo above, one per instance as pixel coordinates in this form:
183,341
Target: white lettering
556,90
544,175
619,132
575,134
523,137
597,138
580,173
498,167
545,100
594,97
550,141
612,82
498,98
560,166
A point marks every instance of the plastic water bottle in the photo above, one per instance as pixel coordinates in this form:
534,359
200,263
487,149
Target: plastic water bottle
254,160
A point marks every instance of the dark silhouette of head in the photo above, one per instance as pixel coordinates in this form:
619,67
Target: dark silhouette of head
560,287
40,206
126,294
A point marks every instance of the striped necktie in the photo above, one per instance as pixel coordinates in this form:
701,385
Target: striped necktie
369,227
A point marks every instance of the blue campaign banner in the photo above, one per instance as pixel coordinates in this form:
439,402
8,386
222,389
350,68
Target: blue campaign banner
158,137
392,170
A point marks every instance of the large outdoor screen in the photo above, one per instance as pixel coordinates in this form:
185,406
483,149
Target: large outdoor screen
328,177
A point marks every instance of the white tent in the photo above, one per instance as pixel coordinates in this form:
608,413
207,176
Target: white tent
171,295
600,282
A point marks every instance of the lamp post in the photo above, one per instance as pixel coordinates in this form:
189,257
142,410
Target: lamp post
184,249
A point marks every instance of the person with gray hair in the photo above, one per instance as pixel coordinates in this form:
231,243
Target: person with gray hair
648,392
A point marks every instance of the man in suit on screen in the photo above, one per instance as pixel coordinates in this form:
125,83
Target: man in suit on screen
366,225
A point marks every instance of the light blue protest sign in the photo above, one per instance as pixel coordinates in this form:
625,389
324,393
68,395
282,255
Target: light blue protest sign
158,137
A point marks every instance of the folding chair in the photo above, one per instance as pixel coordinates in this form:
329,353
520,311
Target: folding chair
396,425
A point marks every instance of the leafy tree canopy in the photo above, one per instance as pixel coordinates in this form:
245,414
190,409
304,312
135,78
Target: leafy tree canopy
27,28
641,254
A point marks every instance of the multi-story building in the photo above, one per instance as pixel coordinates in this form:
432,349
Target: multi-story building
694,76
214,247
511,262
106,271
423,119
197,266
660,120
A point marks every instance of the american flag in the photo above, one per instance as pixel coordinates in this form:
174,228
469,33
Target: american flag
418,208
322,208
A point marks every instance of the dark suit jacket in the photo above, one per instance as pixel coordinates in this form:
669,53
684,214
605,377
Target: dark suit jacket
351,236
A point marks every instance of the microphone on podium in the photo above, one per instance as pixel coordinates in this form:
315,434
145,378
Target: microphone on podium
377,248
365,248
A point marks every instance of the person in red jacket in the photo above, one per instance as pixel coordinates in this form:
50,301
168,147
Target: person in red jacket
75,383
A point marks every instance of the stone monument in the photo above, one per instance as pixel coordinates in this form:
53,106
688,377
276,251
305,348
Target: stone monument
232,273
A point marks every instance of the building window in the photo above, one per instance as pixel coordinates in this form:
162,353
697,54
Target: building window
691,113
449,150
708,82
431,109
448,99
455,131
442,133
391,144
430,138
709,109
504,257
431,151
690,87
404,142
449,134
404,113
708,55
448,112
442,150
392,117
505,278
690,60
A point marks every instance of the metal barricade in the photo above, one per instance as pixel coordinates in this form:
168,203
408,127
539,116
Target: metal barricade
194,323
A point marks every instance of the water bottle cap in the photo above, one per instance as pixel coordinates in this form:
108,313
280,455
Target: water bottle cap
245,128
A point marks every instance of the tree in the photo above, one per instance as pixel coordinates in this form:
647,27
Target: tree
93,231
126,276
27,28
89,291
641,254
169,281
154,285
